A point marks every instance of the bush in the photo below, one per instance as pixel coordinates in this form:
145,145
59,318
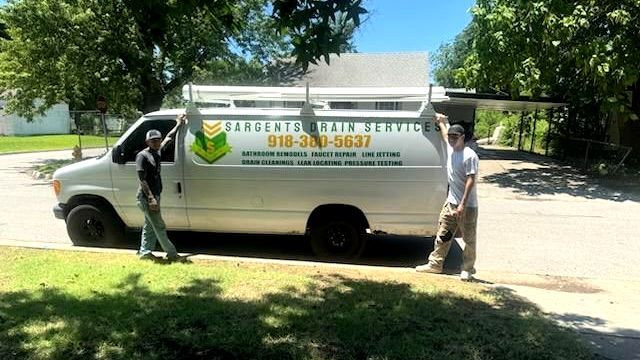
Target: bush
486,122
509,134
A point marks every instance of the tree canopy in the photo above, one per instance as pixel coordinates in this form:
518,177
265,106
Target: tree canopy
585,51
450,57
136,52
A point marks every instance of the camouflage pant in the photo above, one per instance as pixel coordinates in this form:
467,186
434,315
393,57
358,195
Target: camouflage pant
447,228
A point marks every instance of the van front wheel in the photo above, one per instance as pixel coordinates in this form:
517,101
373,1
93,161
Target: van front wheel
337,239
93,226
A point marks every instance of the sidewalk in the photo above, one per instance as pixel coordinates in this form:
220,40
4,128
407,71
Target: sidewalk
606,313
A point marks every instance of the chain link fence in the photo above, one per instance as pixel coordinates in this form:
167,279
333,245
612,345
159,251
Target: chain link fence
95,129
91,123
597,156
554,133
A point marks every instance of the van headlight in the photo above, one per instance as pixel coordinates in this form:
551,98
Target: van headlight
57,186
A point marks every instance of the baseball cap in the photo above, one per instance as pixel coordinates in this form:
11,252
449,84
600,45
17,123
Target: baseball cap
153,134
456,129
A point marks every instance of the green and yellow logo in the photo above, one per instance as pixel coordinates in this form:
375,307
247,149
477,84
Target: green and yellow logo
211,143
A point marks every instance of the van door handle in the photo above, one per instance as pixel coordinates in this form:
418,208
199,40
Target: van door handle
179,187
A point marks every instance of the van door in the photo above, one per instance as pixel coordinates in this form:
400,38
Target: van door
125,178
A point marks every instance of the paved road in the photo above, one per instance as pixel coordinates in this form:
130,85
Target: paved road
565,242
538,217
545,231
25,209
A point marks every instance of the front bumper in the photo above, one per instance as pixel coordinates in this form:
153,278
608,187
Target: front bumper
58,211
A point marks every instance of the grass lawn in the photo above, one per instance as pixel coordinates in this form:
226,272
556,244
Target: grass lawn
76,305
12,144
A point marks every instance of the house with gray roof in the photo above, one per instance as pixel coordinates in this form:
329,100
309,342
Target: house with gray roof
393,70
409,69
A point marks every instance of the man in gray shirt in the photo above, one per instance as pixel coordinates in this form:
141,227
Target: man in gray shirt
148,168
460,210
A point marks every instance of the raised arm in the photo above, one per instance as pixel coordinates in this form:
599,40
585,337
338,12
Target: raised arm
443,121
180,120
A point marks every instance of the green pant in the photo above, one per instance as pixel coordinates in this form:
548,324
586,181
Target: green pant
448,225
154,230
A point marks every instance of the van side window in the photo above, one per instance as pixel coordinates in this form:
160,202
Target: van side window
135,141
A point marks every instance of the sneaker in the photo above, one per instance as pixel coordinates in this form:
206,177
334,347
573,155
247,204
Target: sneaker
466,276
149,256
428,268
175,258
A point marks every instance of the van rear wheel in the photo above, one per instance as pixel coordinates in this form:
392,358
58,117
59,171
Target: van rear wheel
337,239
90,225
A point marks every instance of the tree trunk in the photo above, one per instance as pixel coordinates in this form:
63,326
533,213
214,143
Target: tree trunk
635,98
151,102
152,93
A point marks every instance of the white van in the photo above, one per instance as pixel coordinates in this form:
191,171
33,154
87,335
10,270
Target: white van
334,175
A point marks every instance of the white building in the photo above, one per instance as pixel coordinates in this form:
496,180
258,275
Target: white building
55,120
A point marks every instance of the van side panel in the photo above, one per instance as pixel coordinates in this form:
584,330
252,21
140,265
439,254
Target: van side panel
266,174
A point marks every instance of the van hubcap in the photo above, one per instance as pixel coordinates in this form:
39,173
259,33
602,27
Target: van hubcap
93,228
338,238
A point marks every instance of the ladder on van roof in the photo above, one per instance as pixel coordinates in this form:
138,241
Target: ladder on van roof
313,97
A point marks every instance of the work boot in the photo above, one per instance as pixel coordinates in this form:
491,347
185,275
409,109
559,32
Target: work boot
176,258
429,268
149,256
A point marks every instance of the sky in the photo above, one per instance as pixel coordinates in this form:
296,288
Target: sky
411,25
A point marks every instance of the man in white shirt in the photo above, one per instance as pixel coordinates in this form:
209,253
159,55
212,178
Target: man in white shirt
460,210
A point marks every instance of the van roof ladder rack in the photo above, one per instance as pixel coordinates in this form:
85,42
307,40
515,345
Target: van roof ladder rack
202,94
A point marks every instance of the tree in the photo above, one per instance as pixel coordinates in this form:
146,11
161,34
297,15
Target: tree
450,57
136,52
318,28
585,51
250,72
3,32
486,122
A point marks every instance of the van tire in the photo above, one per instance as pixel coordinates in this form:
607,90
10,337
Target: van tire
337,239
89,225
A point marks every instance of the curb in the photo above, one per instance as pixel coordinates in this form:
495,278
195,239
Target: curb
43,245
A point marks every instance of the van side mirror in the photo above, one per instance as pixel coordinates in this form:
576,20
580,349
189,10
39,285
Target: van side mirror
117,155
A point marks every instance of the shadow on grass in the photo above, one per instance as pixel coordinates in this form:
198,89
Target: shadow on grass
551,178
332,317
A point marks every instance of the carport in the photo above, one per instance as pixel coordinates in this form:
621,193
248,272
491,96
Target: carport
462,105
